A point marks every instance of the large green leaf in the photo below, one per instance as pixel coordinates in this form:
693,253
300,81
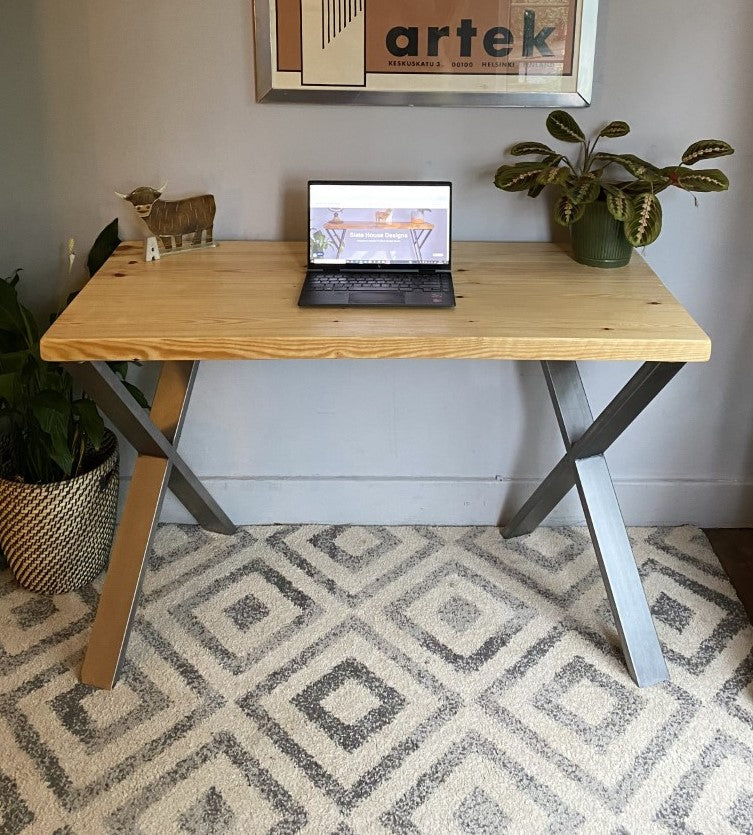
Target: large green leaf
9,386
30,327
620,207
58,450
562,126
14,361
566,212
584,189
634,165
120,367
635,187
706,149
90,420
52,411
522,149
707,179
644,224
11,317
615,129
103,247
553,176
137,394
518,177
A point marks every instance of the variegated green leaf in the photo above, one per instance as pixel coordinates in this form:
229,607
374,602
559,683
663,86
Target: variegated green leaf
583,190
641,166
633,187
618,204
553,176
566,212
644,224
634,165
615,129
706,149
708,179
522,149
535,191
562,126
518,177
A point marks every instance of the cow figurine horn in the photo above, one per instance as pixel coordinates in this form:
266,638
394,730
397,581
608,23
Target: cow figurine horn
164,186
124,196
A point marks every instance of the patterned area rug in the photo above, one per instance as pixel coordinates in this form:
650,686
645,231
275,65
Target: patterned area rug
382,680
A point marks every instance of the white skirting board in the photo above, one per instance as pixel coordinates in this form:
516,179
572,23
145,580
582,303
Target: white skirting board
407,501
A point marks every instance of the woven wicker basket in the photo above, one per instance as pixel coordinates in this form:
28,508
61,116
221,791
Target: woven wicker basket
57,537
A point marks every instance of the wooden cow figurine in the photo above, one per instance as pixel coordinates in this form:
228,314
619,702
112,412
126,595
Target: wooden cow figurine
169,219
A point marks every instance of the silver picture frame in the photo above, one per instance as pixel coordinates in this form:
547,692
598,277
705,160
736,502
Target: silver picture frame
464,88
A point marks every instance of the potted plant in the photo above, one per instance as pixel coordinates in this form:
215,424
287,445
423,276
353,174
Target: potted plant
59,467
609,201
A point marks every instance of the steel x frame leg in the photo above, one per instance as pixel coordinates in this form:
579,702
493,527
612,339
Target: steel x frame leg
584,467
158,467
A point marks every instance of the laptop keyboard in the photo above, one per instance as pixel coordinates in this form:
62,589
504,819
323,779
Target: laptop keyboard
378,281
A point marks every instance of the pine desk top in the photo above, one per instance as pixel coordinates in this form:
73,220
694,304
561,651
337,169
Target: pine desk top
239,301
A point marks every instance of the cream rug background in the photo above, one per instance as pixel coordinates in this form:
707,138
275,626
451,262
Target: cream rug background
367,680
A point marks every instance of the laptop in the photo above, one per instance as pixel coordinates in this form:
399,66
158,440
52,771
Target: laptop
378,244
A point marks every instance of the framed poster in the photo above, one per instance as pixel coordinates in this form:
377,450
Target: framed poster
444,52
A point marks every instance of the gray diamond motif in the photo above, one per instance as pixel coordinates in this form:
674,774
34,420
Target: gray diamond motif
34,612
349,736
247,612
741,812
518,614
478,814
326,541
70,708
14,813
670,611
624,704
459,613
244,613
210,815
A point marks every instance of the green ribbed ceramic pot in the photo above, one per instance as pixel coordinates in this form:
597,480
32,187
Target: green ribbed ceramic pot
598,239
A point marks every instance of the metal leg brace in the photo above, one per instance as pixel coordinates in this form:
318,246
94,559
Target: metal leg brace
158,466
584,467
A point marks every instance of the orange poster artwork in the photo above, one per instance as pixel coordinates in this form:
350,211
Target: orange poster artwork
477,52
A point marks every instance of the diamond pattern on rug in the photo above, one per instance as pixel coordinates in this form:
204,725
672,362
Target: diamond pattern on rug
245,614
287,707
712,778
218,787
438,611
605,736
15,815
337,680
448,794
351,731
382,556
596,707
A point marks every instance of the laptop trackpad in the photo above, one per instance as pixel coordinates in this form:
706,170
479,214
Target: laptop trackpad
376,297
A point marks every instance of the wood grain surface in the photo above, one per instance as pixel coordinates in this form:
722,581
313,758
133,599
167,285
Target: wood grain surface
239,301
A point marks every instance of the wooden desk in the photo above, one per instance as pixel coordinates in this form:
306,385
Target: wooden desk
527,301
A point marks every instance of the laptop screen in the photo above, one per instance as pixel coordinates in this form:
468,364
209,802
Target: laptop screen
379,224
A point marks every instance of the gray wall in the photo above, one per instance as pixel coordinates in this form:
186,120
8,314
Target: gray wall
106,95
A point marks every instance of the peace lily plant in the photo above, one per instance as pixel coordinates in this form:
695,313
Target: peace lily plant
628,184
